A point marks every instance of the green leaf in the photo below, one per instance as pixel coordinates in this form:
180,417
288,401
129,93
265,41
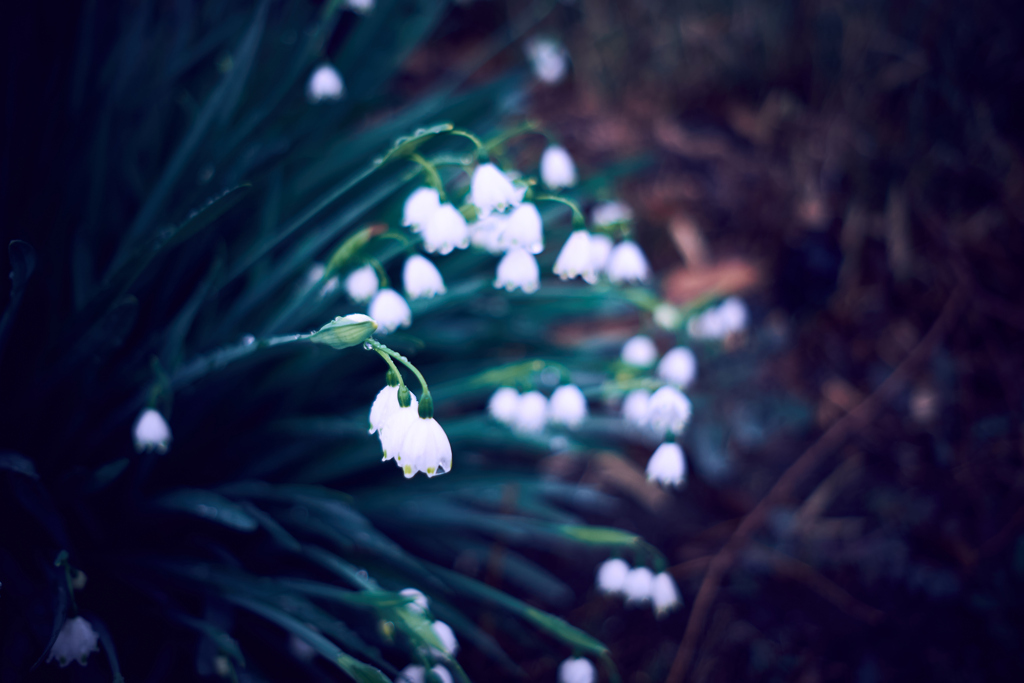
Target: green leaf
374,599
209,505
404,146
223,640
210,211
599,535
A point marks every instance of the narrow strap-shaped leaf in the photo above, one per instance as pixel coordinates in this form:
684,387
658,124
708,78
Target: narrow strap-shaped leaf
23,263
209,505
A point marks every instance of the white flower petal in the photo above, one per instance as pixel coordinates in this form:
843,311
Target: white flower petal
568,406
638,586
667,466
668,411
576,670
664,594
419,206
635,407
574,259
640,352
627,263
523,228
491,190
362,283
421,278
445,231
518,269
390,311
611,213
557,169
75,641
503,405
678,367
611,576
151,432
325,84
531,413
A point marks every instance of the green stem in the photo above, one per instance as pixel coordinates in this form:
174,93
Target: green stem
433,177
391,364
527,127
469,136
577,215
381,349
217,359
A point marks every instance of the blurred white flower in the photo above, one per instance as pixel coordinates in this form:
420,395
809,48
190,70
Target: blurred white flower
390,311
315,273
664,594
418,444
610,213
330,286
362,283
486,233
638,586
419,206
531,413
600,250
718,322
611,576
550,60
518,269
447,637
666,316
414,673
576,670
667,466
491,190
568,406
640,352
668,411
557,169
627,263
504,405
324,84
574,258
419,604
384,406
421,278
523,228
635,407
76,640
151,432
360,6
678,367
445,230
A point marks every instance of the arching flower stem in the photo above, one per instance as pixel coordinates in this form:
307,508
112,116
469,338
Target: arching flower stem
388,354
577,216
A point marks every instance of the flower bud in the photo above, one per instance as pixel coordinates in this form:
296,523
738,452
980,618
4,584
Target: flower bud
345,331
404,396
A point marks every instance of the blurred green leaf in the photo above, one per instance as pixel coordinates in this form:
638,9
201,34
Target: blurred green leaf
209,505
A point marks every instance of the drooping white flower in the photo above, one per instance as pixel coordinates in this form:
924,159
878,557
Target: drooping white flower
600,249
445,230
574,259
557,169
640,352
486,233
419,206
362,283
734,314
719,321
678,367
635,407
638,586
76,640
611,213
419,603
549,59
664,594
414,673
627,263
325,83
666,316
360,6
523,228
421,278
611,576
518,269
531,413
385,405
151,432
504,405
668,465
568,406
418,444
491,190
390,311
576,670
668,411
447,637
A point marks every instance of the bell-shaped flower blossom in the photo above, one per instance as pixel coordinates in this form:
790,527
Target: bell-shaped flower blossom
421,278
486,233
518,269
524,229
549,59
666,316
664,594
418,444
384,406
627,263
640,352
390,311
611,213
568,406
414,673
503,405
718,322
635,407
75,641
531,413
419,604
574,259
668,411
325,84
445,230
668,465
360,6
151,432
576,670
600,250
362,283
419,206
447,637
638,586
491,190
557,169
678,367
611,576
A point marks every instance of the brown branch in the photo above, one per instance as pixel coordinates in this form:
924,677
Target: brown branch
801,468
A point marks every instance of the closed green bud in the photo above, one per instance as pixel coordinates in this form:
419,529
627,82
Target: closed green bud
404,397
345,331
392,378
426,406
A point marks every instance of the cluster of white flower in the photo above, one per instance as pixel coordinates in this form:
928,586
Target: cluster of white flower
549,59
718,322
638,585
576,670
532,411
417,443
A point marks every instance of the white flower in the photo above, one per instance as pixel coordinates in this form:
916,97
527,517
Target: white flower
627,263
486,233
531,413
324,84
556,168
445,230
151,432
634,408
638,586
666,316
678,367
315,273
385,405
491,190
419,603
421,278
610,213
576,670
640,352
719,322
390,311
523,228
504,405
611,576
734,314
669,411
574,259
447,637
549,59
568,406
362,283
419,207
360,6
518,269
600,250
664,594
667,466
74,642
414,673
418,444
